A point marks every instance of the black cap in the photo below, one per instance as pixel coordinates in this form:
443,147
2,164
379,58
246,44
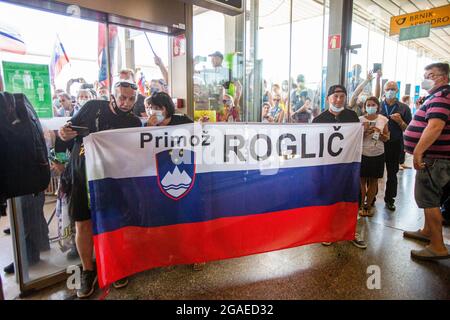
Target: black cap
216,54
336,88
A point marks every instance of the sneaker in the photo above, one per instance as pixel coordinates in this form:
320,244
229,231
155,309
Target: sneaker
327,243
88,282
390,206
121,283
359,243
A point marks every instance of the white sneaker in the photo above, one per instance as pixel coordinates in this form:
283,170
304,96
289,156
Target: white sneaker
359,243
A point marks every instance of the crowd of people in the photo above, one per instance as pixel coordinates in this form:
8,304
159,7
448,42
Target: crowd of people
389,131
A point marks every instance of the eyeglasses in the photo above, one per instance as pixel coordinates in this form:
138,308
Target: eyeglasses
432,75
126,84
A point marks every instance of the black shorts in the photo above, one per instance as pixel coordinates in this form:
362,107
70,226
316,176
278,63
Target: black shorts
372,167
78,203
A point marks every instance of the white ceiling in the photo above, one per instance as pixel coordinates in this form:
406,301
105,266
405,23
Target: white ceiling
379,12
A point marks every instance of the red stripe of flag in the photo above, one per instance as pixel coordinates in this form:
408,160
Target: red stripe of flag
131,250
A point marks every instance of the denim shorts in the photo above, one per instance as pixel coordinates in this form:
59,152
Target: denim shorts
430,183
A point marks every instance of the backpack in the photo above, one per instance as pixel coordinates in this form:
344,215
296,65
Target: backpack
24,165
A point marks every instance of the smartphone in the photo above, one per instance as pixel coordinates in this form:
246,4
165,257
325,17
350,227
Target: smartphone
372,123
84,131
376,67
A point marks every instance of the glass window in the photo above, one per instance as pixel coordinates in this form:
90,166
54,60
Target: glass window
308,50
44,60
218,66
285,61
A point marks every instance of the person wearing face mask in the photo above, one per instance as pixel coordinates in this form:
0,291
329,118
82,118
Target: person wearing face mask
427,138
161,111
338,113
376,132
399,116
96,115
84,95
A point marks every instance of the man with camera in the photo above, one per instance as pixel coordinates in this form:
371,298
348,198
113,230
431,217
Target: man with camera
96,115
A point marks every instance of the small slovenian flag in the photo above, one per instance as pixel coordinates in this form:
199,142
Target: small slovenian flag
59,59
11,41
141,83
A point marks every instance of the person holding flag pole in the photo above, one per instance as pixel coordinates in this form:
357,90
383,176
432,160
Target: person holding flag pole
159,63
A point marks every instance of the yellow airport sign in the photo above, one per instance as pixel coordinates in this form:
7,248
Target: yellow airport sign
437,17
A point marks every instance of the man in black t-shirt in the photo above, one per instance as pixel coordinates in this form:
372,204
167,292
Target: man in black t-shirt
338,113
336,98
96,115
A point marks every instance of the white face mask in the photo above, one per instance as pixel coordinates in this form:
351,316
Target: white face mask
335,109
159,115
427,84
82,102
390,94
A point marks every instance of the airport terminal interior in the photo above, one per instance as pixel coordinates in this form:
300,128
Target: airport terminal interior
248,64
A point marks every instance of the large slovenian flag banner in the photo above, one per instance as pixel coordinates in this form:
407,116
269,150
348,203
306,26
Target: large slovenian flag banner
200,192
11,41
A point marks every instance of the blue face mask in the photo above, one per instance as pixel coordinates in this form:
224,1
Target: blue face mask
371,110
390,94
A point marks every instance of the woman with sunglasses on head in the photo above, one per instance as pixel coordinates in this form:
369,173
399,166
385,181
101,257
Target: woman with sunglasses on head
161,111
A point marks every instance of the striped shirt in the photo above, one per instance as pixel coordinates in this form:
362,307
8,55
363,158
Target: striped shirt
436,106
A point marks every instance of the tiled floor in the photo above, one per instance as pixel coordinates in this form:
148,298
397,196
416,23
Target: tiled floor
308,272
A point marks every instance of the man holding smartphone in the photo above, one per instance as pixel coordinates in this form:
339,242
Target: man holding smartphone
96,115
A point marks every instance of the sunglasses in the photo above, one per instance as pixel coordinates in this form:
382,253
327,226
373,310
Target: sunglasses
126,84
